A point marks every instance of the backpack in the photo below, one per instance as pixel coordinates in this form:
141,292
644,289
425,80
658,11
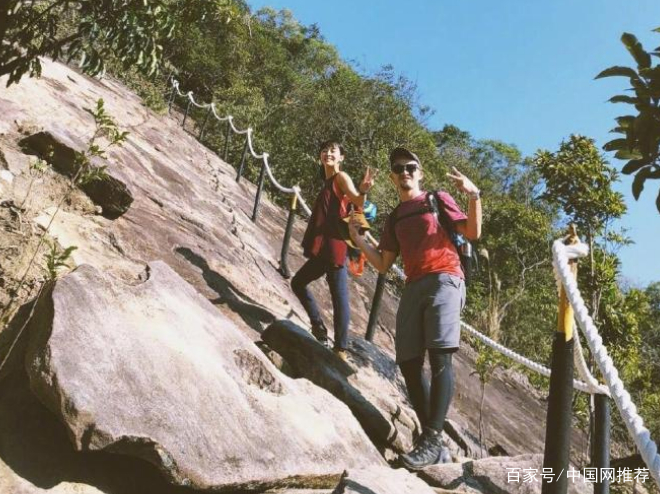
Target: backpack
436,206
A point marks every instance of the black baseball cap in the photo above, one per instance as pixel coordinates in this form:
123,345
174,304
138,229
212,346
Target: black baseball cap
401,152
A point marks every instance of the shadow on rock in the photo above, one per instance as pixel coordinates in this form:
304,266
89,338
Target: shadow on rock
358,488
249,310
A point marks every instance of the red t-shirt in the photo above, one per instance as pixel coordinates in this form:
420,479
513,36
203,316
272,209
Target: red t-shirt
424,245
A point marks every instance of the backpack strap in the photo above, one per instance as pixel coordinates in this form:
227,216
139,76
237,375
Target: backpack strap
432,200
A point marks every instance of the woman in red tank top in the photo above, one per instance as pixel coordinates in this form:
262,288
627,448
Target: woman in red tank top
325,248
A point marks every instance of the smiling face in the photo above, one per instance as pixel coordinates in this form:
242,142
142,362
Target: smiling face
406,174
331,155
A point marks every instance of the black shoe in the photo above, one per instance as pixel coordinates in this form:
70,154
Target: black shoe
427,450
320,332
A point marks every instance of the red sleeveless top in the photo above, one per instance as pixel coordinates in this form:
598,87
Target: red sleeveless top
322,237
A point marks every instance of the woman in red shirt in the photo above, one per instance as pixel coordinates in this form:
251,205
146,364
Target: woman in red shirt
325,248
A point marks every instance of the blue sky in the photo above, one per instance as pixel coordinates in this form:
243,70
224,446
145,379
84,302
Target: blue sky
513,70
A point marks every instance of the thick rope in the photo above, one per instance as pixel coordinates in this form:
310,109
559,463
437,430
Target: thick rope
272,178
249,140
634,423
219,118
578,355
304,205
583,370
530,364
241,132
192,100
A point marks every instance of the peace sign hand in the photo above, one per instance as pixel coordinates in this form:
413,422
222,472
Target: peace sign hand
462,183
368,180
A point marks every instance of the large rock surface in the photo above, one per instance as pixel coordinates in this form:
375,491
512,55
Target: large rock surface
154,370
378,480
498,475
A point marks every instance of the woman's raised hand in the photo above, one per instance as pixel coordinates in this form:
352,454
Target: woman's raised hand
368,180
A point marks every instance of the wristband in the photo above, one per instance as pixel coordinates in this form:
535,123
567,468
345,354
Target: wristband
475,195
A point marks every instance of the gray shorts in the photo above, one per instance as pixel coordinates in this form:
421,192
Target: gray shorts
429,315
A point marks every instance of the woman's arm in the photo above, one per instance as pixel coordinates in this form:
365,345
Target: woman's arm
347,187
356,195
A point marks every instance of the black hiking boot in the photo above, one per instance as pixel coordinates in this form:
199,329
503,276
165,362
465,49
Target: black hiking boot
320,332
428,450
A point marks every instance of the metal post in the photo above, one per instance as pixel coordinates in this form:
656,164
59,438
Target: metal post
206,119
241,166
185,115
284,268
260,187
227,139
375,307
558,423
600,456
169,107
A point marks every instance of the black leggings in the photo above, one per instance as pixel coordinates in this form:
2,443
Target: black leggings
431,405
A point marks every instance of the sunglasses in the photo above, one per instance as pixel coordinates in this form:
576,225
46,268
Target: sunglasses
399,169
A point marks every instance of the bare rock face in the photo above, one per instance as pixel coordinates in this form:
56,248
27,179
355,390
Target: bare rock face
368,385
378,480
154,371
502,475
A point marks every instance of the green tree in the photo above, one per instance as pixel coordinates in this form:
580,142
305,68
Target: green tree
89,31
640,145
579,181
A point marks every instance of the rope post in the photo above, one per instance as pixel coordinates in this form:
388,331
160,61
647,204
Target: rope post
241,166
169,106
284,268
375,307
260,187
600,455
558,423
225,155
206,119
185,115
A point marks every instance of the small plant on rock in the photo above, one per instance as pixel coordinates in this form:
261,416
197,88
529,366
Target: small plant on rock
57,259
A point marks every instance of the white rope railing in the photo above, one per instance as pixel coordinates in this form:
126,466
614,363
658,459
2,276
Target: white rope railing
530,364
242,132
217,117
578,354
249,141
634,423
192,100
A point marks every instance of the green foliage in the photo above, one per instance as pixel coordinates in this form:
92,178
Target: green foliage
38,166
107,128
641,144
579,180
486,362
88,31
56,259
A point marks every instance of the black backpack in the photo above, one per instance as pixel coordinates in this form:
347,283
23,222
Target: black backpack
436,206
